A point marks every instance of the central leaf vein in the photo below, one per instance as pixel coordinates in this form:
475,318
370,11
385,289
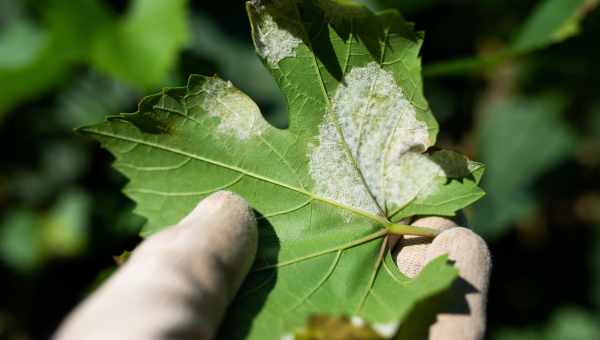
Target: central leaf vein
376,235
360,212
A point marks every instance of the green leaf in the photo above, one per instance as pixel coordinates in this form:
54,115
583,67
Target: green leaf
143,46
551,22
45,57
19,43
66,226
20,244
27,238
514,144
330,189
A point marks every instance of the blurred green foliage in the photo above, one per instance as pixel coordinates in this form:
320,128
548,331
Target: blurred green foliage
552,21
138,47
566,324
513,83
142,46
513,143
27,239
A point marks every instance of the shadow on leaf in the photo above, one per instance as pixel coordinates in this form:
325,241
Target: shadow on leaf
424,314
256,288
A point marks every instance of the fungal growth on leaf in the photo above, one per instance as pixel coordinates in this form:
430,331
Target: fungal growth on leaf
370,145
273,42
237,113
330,189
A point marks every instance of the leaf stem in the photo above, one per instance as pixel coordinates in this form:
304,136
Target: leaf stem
374,273
403,229
378,234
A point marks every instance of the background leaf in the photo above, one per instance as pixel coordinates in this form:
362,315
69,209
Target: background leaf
142,47
552,21
29,239
513,145
62,38
87,32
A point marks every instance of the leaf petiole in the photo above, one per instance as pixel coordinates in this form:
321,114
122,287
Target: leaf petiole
403,229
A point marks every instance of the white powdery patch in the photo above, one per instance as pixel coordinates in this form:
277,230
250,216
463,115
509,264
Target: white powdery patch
334,175
273,42
386,330
238,114
357,321
411,175
372,131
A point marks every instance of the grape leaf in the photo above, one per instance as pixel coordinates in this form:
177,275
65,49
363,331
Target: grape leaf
330,189
157,29
524,152
551,22
139,48
61,40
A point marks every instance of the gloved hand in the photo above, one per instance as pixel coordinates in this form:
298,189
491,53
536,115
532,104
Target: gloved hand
178,283
471,256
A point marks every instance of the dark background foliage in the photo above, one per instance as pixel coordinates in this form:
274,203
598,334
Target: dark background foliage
513,84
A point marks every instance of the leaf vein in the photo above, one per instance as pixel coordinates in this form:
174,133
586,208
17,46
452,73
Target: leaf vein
156,168
363,213
188,193
321,282
366,239
374,273
287,211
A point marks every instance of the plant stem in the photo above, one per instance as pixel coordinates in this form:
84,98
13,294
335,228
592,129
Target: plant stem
403,229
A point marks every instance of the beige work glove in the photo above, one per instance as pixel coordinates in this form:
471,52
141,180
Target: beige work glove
179,282
463,320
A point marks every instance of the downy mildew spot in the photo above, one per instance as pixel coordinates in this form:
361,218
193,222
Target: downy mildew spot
273,42
370,149
238,114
